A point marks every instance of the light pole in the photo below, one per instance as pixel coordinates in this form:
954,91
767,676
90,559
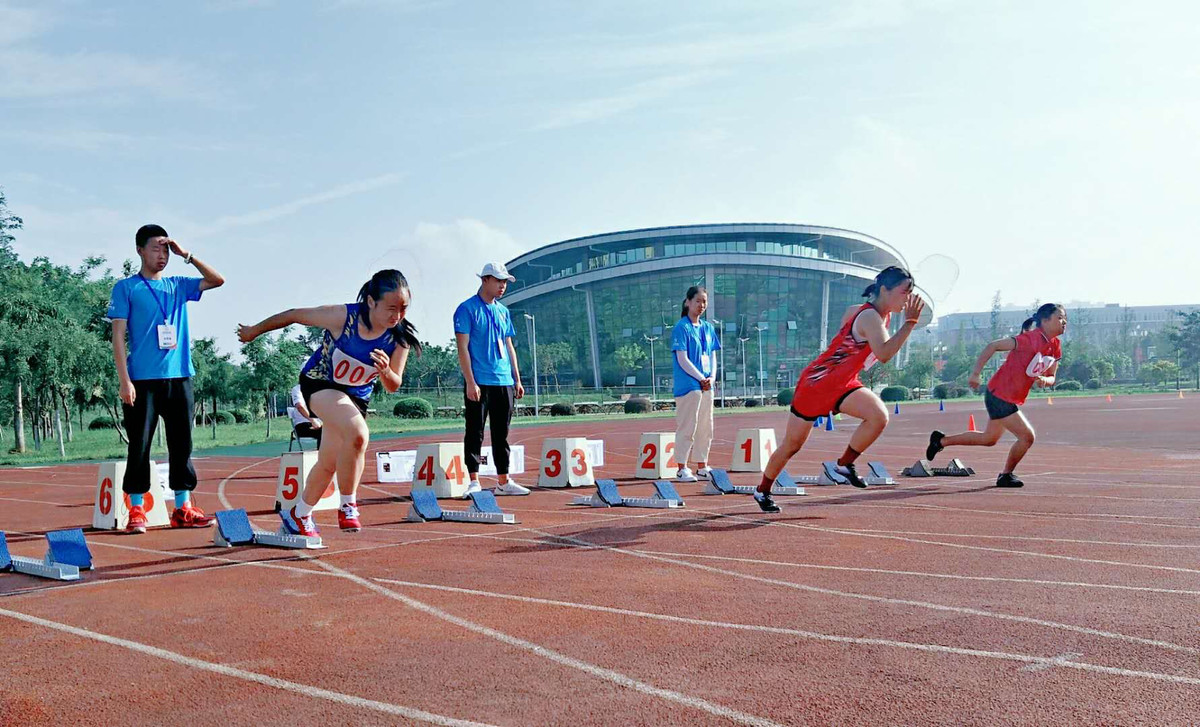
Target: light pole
537,405
653,375
721,371
742,346
760,327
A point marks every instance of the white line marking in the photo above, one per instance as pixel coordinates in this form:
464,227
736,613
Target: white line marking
249,676
1062,660
607,674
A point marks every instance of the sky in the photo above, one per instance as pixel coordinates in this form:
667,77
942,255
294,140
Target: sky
1049,149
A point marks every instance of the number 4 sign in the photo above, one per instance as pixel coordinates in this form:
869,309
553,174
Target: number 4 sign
111,510
442,468
566,462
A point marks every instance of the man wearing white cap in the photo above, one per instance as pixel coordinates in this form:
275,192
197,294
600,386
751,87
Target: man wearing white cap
484,333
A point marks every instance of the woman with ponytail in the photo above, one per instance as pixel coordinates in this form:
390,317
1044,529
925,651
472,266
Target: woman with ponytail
1034,358
364,341
830,383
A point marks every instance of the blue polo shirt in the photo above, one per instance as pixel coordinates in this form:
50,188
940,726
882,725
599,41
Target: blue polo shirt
487,326
698,341
142,303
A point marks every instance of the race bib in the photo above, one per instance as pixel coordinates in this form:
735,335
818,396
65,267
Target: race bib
166,337
1039,365
349,371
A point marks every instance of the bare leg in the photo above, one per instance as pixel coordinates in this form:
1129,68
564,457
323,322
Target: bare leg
864,404
987,438
345,450
793,439
1023,431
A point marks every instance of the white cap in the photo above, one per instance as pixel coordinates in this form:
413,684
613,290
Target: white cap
496,270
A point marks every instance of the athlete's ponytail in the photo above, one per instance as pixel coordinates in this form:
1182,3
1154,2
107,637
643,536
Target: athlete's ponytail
1043,313
381,283
888,278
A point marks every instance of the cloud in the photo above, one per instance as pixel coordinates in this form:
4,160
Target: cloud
17,24
287,209
76,139
639,94
30,74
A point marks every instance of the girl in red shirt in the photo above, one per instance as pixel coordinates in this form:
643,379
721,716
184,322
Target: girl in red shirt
830,383
1033,360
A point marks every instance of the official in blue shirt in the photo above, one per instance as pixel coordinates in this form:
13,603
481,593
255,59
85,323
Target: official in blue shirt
694,343
483,333
155,371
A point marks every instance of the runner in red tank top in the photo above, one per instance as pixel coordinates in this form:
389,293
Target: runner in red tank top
1033,360
830,383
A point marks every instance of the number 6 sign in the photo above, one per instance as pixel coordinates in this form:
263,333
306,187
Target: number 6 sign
656,456
111,510
566,462
293,476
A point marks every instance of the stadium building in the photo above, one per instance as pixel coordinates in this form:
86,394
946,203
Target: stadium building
782,284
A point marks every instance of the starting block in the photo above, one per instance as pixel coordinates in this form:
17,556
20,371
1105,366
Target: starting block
66,555
484,509
719,484
607,495
924,468
234,528
877,474
293,476
752,448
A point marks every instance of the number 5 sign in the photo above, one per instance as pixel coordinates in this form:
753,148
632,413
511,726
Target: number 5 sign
566,462
111,510
293,476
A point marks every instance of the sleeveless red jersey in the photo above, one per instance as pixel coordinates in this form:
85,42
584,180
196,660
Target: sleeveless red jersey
1034,355
842,361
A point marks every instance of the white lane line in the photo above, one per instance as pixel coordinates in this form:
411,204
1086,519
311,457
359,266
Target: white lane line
1167,645
235,473
1041,662
249,676
597,671
1061,660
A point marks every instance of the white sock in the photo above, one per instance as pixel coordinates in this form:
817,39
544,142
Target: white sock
303,509
347,500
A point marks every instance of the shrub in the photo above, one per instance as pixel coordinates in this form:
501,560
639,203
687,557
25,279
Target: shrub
225,417
102,422
1093,384
562,409
241,416
751,402
1068,385
949,391
784,397
637,405
895,393
413,407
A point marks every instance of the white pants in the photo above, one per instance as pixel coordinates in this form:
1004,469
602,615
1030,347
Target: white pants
693,426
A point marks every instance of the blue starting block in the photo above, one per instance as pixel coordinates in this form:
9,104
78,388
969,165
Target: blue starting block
607,495
483,509
877,474
923,468
719,484
234,528
67,554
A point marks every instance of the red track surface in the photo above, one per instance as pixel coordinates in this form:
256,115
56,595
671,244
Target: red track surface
940,601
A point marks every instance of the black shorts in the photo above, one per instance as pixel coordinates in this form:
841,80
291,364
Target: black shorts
308,387
998,408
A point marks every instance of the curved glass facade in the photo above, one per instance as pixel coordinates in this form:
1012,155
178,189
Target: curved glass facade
766,283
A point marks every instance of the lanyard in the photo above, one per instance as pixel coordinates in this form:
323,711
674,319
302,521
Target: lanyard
161,307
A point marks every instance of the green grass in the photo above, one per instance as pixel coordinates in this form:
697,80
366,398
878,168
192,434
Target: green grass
251,440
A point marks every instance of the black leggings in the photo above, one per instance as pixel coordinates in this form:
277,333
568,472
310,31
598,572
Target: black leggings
495,402
172,400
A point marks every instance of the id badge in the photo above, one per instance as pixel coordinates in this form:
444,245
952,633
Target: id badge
503,349
166,337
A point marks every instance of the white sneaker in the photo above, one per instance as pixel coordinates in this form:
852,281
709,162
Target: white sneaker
473,487
684,475
704,473
510,488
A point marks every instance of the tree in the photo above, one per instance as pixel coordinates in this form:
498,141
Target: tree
552,357
271,365
1186,340
629,359
215,375
1158,372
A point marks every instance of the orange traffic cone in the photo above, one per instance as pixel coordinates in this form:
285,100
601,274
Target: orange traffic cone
971,423
1181,393
1050,400
1108,398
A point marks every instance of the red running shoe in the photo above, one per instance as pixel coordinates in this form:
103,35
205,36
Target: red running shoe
190,516
348,518
299,525
137,520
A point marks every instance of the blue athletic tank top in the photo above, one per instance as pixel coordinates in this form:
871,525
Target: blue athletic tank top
346,359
